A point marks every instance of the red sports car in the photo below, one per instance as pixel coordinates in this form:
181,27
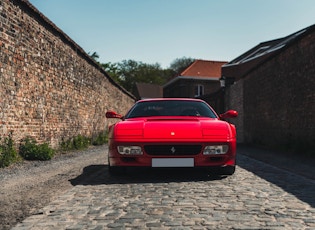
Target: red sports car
172,132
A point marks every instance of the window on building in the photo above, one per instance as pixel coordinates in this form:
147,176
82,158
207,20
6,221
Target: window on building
198,90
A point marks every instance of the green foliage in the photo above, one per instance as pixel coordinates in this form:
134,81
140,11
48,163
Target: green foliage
180,64
129,72
67,145
79,142
8,153
112,70
94,55
101,139
30,150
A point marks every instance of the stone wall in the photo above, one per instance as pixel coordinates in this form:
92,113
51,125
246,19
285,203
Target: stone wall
50,88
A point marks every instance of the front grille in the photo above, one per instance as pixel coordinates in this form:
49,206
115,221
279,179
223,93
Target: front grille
172,150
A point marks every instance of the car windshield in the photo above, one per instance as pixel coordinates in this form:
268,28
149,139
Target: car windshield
171,108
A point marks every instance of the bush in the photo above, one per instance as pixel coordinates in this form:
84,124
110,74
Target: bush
29,150
8,154
100,139
79,142
67,145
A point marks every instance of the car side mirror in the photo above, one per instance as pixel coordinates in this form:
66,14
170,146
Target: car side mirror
112,114
229,114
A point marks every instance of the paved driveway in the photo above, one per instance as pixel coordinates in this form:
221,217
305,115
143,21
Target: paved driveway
257,196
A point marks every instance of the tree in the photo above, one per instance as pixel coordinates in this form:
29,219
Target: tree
94,55
179,64
129,72
112,70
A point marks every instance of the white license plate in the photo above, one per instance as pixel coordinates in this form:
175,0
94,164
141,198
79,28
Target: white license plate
173,162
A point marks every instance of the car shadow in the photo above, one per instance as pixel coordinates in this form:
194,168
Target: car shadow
99,174
301,187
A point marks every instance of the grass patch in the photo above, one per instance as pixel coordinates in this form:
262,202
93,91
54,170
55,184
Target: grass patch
8,153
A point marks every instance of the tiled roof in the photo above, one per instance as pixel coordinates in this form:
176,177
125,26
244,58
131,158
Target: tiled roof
203,68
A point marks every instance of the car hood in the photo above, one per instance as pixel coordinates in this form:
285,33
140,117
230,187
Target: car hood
173,128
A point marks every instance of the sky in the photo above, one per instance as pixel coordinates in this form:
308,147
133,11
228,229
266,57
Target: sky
160,31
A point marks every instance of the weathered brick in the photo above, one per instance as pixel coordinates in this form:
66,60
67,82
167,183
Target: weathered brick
49,87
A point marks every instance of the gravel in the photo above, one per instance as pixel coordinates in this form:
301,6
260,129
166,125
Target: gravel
28,186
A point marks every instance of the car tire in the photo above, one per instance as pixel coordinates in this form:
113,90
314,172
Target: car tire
223,171
115,171
227,170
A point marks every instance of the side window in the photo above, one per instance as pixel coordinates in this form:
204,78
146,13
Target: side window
198,90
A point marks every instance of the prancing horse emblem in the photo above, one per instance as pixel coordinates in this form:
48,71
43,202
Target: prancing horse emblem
173,150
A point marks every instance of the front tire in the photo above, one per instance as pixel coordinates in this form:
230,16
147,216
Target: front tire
224,171
115,171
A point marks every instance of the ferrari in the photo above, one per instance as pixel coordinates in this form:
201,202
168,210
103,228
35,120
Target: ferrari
172,132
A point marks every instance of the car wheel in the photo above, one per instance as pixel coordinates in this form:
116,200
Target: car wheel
113,170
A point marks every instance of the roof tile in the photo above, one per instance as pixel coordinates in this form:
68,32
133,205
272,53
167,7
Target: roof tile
203,68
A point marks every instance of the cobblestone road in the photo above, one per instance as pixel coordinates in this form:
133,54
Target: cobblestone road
257,196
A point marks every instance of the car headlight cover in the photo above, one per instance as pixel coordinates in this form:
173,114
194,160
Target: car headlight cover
215,149
129,150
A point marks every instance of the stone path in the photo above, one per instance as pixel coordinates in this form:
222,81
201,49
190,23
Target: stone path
257,196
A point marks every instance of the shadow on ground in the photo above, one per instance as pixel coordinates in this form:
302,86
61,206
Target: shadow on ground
98,174
292,176
284,173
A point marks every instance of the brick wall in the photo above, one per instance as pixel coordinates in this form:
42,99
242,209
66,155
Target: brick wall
279,99
50,89
234,101
186,87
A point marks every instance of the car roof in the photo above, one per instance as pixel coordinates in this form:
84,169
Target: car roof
170,99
